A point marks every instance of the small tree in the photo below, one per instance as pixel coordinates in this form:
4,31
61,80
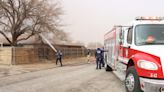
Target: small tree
22,19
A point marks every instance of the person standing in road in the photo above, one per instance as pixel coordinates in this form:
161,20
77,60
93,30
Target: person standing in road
98,56
88,56
102,60
59,57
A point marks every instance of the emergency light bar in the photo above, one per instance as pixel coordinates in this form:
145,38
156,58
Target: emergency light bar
150,18
122,26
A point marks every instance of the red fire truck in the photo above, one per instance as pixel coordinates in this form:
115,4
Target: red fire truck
137,51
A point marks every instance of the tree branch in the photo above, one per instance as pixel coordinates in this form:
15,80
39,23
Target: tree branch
5,36
4,24
32,34
7,11
9,18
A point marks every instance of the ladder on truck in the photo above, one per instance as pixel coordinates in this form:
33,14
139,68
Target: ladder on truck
48,42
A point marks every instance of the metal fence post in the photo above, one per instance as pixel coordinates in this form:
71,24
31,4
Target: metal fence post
13,62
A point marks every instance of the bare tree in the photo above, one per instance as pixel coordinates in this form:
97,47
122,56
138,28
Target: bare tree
62,37
22,19
59,37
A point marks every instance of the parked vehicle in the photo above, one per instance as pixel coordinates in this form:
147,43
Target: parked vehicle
137,51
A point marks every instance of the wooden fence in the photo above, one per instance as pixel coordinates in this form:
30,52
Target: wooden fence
37,53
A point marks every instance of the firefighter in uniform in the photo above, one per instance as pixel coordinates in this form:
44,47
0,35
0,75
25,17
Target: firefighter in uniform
59,57
98,56
102,60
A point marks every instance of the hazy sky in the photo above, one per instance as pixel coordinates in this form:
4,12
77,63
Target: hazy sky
89,20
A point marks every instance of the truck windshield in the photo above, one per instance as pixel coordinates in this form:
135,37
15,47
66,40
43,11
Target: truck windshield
149,34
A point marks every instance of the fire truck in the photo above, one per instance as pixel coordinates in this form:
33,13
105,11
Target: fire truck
136,51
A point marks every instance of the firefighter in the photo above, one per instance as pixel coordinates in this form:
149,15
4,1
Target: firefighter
102,60
88,55
59,57
98,56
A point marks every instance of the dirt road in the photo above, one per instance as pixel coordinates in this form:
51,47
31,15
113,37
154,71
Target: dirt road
79,78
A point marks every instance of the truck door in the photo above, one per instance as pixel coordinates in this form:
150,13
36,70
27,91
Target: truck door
129,43
126,47
125,41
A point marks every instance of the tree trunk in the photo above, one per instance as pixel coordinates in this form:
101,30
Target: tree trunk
14,41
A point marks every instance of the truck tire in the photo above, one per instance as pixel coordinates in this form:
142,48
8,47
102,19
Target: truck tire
108,68
132,83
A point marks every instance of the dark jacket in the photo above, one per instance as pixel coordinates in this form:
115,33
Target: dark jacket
98,53
58,54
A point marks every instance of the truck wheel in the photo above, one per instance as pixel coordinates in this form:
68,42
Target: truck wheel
108,68
132,82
